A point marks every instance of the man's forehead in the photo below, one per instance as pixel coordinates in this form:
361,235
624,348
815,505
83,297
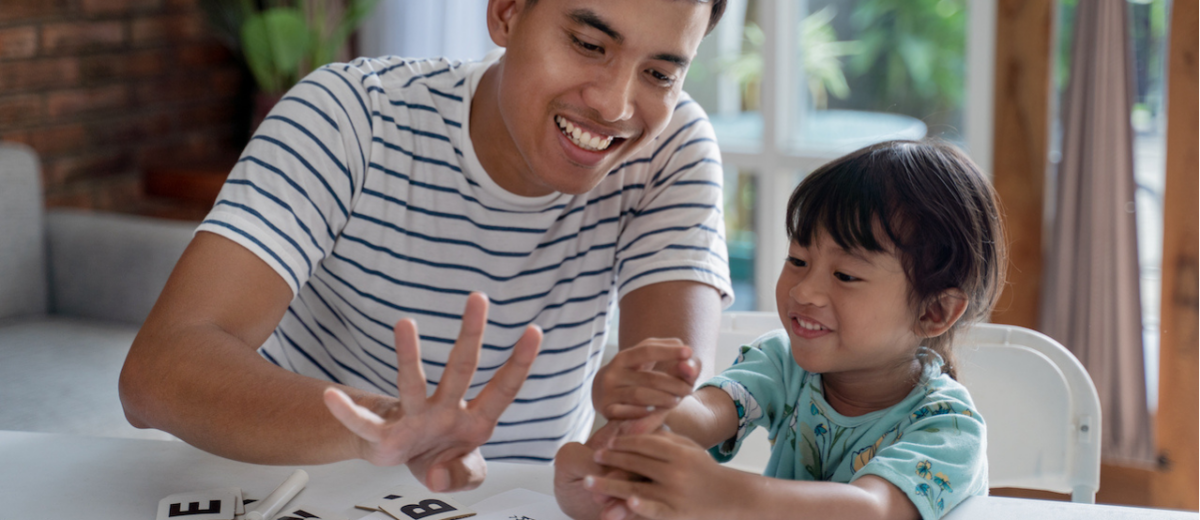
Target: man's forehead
673,27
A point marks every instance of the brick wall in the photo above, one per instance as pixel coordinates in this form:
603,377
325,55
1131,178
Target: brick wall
103,89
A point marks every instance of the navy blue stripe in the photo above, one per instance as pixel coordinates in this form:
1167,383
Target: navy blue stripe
277,231
311,169
540,419
297,348
347,323
330,354
332,157
660,182
444,94
428,75
260,245
415,157
440,240
650,211
269,357
314,108
284,205
451,316
523,457
417,209
621,266
662,269
467,268
344,111
295,186
414,131
666,230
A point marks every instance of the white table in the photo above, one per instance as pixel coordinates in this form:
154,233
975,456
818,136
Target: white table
66,476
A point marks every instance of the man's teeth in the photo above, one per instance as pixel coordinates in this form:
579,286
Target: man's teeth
581,137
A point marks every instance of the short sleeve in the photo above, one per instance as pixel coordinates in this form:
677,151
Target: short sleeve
292,190
677,229
757,384
938,460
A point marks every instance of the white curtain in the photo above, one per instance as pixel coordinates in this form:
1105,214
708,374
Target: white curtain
455,29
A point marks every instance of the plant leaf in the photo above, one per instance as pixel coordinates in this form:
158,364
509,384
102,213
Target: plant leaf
256,47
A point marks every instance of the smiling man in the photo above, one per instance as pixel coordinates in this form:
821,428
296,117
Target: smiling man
563,176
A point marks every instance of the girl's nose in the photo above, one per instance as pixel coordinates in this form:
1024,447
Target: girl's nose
809,291
611,94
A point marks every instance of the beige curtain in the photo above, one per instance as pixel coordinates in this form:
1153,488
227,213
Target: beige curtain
1090,299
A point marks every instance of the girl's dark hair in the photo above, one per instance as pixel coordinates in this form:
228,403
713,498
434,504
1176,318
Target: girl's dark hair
932,204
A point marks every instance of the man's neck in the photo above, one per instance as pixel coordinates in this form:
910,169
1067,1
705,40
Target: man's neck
491,139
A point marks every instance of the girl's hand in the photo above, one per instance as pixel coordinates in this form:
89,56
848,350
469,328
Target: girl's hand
652,375
684,481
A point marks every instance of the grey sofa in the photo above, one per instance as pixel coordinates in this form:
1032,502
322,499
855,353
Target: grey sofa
74,288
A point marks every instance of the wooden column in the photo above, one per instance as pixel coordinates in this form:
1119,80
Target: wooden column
1177,424
1024,47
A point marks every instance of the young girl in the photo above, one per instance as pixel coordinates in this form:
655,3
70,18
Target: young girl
893,249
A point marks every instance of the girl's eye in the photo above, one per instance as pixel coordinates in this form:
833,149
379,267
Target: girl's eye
796,261
845,277
587,46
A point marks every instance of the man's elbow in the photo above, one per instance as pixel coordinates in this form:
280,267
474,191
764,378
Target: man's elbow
136,393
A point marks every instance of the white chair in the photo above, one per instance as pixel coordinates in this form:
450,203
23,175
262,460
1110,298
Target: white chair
1041,408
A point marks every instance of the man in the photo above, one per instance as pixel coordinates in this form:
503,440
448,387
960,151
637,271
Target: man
564,176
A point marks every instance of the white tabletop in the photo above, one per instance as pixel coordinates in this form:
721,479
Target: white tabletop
66,476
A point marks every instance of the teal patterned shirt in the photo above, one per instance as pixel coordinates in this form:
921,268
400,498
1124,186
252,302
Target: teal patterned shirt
932,445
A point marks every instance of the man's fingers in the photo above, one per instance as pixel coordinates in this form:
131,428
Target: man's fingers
357,419
464,357
503,388
410,376
462,474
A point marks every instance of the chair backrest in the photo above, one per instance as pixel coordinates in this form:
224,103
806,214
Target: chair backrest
1041,409
1042,433
22,233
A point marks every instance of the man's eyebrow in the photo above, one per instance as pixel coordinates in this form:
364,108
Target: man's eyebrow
673,58
590,18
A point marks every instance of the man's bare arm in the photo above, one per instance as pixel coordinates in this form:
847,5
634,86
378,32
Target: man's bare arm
193,370
690,311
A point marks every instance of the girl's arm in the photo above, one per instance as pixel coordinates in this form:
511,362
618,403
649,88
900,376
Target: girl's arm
685,483
708,417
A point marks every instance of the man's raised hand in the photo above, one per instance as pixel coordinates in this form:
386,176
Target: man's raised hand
438,437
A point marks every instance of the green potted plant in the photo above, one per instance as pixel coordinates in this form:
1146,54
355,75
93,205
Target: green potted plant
281,41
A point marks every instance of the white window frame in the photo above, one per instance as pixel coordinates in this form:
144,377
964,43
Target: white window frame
775,164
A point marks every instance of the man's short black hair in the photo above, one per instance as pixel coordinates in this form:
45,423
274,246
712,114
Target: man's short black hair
718,10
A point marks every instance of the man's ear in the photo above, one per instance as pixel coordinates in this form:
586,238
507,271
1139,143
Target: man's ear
942,313
500,17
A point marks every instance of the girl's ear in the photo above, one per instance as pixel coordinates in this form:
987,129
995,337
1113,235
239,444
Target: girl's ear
942,313
500,17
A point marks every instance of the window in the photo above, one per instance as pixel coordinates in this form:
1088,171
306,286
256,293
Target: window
790,85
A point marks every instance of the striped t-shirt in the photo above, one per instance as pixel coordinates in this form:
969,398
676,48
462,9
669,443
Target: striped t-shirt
363,191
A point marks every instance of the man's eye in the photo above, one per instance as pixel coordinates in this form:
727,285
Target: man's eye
587,46
845,277
796,261
663,79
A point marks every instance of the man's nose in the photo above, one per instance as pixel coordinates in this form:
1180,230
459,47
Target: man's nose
611,93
